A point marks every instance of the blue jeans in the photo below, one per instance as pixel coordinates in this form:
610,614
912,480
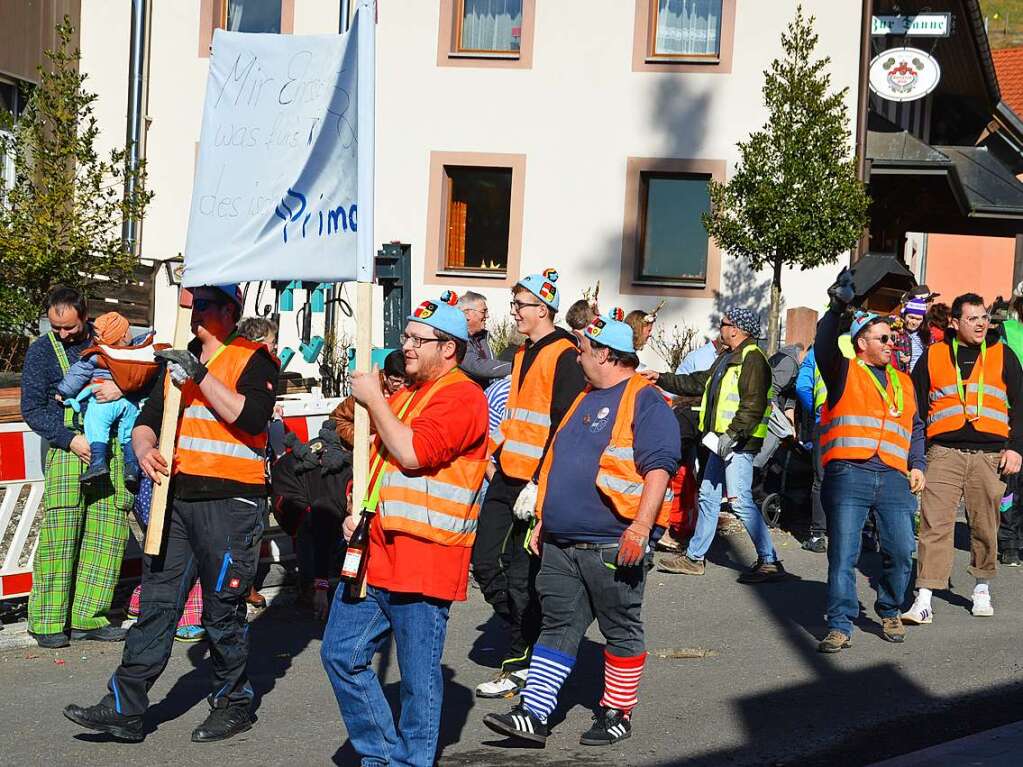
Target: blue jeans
737,477
849,492
355,632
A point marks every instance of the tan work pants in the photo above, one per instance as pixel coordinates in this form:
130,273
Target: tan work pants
951,476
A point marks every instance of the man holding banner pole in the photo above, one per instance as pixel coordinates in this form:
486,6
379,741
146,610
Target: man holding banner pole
218,501
426,470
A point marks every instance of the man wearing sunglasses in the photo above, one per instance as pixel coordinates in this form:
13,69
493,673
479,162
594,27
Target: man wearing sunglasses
735,408
970,389
872,450
214,518
546,378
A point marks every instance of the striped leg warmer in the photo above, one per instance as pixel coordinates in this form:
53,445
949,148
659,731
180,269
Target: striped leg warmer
621,681
548,670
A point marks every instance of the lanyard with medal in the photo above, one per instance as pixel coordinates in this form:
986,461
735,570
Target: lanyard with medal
959,379
894,408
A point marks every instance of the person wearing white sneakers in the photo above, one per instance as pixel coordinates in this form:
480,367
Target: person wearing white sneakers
969,387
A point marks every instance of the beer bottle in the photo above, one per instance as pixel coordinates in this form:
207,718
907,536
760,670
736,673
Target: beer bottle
357,554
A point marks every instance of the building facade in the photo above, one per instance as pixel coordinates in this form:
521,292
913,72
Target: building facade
512,135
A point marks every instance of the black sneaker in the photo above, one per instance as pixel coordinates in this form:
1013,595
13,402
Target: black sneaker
609,726
223,723
51,641
102,718
106,633
1010,558
518,723
817,544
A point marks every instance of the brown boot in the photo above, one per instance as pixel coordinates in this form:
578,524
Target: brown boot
681,565
833,642
764,572
893,630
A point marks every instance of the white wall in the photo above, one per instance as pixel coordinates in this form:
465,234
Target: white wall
576,115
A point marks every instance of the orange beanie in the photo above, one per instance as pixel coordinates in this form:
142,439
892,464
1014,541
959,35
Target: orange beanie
110,328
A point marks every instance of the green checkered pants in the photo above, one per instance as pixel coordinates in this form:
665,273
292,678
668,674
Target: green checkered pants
81,545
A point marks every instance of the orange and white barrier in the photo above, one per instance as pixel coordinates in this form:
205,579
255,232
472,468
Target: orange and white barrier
22,455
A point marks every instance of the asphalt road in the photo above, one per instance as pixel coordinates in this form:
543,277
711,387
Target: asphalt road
760,694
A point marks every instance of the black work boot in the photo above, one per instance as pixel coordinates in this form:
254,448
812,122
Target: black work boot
51,641
106,633
223,723
102,718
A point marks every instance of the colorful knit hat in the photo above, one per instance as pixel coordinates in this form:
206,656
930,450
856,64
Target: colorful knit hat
611,330
542,286
442,315
915,306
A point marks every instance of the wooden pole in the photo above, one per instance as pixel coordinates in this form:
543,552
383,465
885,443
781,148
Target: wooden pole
366,30
169,428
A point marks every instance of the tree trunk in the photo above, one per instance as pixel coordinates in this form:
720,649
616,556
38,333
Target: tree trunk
774,318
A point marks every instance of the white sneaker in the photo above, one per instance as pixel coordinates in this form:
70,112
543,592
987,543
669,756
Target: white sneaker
918,615
504,685
982,604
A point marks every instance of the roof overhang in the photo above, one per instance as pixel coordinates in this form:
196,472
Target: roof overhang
949,189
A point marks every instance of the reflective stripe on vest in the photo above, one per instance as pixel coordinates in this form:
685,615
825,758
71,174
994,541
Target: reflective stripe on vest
947,413
442,504
208,446
820,391
526,428
728,398
617,477
860,426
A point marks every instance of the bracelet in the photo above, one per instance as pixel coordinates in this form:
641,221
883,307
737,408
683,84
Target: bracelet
321,584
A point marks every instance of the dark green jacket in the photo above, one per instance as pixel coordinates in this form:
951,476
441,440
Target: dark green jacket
754,384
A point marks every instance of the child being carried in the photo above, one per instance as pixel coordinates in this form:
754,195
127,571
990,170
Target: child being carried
129,362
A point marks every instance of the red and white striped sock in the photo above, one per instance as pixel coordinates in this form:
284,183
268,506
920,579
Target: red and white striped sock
621,681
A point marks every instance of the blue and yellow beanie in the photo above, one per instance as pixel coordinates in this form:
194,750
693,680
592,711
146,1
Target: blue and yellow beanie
442,315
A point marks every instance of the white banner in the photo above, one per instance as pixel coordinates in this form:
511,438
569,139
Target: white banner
275,187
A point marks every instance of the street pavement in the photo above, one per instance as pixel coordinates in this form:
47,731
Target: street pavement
733,679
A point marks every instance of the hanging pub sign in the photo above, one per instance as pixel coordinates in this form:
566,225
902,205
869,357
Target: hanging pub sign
916,25
904,74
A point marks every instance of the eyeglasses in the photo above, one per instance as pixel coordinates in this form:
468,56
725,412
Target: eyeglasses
982,320
202,304
417,341
483,312
518,306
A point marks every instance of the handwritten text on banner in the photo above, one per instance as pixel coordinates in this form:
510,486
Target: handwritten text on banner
275,187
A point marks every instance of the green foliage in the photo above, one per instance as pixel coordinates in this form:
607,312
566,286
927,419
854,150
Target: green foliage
60,222
794,199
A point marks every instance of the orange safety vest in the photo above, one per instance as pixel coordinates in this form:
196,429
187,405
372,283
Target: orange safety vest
441,504
946,412
526,427
860,425
207,445
617,477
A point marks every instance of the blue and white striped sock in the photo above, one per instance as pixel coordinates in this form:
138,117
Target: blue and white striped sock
548,670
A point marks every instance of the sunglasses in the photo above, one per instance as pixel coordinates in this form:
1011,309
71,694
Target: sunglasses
884,338
728,324
202,304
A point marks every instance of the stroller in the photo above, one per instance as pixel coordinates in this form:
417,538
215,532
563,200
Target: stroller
785,473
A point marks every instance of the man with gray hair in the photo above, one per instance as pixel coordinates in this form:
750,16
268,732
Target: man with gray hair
479,363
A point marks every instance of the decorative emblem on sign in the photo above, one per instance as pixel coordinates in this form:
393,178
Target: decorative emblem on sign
904,74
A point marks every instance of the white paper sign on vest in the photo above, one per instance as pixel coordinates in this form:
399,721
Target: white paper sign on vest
275,188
